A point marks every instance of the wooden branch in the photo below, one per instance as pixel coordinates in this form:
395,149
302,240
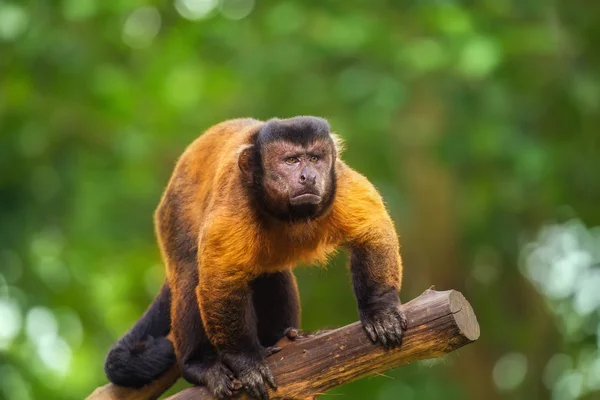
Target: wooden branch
438,323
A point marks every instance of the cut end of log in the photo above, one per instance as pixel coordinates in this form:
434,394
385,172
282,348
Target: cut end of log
464,316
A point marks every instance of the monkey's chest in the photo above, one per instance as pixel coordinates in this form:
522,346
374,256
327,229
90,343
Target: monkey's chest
287,254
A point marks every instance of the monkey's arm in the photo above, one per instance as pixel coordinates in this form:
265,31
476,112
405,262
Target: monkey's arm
225,300
376,269
375,260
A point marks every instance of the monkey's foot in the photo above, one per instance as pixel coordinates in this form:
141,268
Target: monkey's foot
252,371
385,325
218,379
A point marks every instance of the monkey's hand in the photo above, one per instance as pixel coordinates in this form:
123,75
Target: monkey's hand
384,324
252,370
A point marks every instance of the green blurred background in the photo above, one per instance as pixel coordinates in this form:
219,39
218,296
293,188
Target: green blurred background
477,120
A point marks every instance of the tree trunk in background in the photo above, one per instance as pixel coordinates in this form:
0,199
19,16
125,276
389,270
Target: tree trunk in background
431,238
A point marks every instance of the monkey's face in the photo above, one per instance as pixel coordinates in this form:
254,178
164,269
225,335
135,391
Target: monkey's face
298,179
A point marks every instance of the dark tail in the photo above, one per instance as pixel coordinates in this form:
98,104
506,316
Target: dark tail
144,353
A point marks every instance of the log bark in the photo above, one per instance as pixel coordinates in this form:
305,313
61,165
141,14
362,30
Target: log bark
438,323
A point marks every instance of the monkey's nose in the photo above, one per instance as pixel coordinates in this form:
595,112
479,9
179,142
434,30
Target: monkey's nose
307,178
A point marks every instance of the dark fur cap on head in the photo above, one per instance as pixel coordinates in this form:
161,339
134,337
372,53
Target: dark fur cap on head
299,130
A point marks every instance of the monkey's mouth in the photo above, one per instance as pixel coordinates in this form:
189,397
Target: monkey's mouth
305,198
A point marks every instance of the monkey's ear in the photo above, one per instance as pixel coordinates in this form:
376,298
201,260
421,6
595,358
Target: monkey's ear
338,143
245,162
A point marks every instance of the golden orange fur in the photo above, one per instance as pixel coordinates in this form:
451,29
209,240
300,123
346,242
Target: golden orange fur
234,246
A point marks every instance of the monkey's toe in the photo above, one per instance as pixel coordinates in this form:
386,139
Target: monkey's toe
217,378
253,372
272,350
255,381
293,334
220,381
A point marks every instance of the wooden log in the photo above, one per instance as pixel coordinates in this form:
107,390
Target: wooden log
438,323
152,391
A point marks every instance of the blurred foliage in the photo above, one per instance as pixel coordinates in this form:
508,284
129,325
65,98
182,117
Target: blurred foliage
477,120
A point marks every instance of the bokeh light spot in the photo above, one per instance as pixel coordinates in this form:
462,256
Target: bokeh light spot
40,322
55,353
13,21
587,294
10,315
569,386
509,371
141,27
556,366
593,379
195,9
479,57
424,55
236,9
453,20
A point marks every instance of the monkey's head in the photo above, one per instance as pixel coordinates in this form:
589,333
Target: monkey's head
290,168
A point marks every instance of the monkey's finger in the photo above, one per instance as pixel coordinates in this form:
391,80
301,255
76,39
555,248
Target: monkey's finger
403,321
370,332
381,334
394,339
268,376
253,392
388,326
398,334
261,389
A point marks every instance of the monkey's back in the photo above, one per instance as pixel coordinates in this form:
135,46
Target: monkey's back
215,149
202,173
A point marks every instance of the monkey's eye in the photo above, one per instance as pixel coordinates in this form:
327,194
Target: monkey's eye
292,160
313,159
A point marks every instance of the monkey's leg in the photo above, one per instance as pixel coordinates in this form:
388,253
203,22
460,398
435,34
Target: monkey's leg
197,357
277,306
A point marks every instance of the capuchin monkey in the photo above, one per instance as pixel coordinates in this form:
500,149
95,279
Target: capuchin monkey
247,201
